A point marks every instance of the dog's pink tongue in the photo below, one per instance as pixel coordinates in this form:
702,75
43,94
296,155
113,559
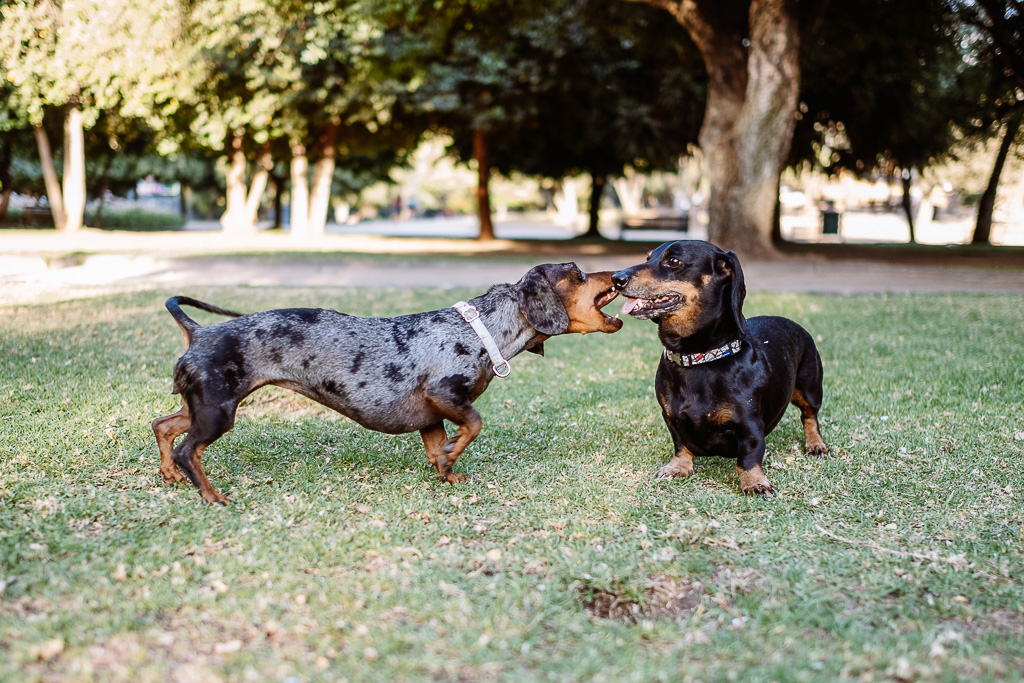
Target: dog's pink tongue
629,305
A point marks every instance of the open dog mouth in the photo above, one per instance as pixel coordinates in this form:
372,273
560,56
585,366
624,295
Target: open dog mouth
602,300
647,308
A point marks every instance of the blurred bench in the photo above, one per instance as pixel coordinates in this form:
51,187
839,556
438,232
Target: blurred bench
37,217
654,220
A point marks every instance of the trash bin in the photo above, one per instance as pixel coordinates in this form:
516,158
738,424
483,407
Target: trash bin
829,219
830,222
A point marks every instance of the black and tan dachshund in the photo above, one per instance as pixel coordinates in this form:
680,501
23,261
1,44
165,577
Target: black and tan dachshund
723,382
393,375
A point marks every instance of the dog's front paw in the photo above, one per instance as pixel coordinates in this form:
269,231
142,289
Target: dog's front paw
673,471
173,476
454,477
215,498
819,449
754,483
681,465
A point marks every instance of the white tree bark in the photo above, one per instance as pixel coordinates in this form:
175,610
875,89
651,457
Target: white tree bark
258,186
234,219
299,220
74,170
630,190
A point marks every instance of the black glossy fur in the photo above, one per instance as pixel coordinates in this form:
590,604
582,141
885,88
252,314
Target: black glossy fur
694,292
394,375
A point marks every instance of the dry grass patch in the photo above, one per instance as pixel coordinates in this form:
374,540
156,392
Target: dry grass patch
663,597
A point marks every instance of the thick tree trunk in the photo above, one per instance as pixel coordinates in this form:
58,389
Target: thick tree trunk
483,194
906,181
234,219
299,218
323,174
983,225
597,184
750,113
74,169
53,191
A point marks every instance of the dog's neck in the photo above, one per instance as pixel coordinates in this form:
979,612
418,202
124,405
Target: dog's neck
720,333
500,312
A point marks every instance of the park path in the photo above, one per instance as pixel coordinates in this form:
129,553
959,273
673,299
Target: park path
43,266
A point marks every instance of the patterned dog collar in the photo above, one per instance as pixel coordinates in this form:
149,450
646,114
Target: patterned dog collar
687,359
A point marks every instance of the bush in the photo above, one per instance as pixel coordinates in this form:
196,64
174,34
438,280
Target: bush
138,220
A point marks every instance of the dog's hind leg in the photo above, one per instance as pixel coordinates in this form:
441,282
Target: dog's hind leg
209,423
167,429
442,450
807,396
813,443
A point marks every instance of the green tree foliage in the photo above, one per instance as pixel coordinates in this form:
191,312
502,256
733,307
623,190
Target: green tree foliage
553,88
883,89
79,58
993,38
290,79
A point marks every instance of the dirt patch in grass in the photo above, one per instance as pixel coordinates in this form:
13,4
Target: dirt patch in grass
663,598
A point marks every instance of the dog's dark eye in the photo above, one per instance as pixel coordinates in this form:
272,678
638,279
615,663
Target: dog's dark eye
673,262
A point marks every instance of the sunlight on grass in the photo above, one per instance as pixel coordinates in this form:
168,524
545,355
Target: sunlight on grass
899,556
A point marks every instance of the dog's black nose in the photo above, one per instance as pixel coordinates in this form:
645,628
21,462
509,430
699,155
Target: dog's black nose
620,279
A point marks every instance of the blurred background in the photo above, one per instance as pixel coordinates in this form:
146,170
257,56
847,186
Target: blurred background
746,123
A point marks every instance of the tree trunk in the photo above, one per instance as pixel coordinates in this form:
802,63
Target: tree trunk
567,201
260,177
983,225
53,191
104,185
183,196
323,175
74,169
5,177
597,183
278,200
750,114
483,195
906,180
630,190
234,219
300,192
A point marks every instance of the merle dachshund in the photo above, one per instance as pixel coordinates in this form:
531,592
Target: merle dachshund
393,375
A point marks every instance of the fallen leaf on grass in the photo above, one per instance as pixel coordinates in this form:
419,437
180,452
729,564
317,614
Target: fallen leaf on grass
48,649
228,647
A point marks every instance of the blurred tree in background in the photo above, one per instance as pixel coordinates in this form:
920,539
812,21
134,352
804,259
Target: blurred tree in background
550,88
75,59
325,97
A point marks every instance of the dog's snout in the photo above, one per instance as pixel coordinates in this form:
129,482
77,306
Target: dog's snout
620,279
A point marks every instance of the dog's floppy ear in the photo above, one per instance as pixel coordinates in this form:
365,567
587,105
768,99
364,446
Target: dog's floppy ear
727,262
540,302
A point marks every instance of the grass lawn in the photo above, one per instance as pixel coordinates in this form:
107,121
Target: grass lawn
898,557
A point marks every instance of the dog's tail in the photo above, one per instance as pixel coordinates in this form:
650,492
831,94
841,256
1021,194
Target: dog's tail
187,324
